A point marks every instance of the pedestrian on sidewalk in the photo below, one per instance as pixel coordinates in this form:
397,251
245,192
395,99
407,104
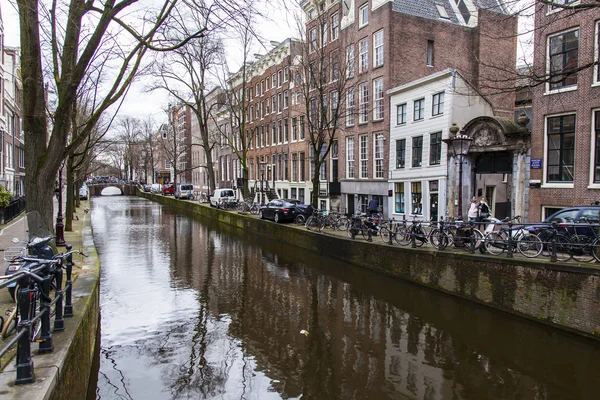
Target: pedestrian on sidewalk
473,213
373,206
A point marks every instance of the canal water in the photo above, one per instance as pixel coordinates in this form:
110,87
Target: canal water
194,310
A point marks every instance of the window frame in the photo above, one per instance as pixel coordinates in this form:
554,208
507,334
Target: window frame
435,148
399,200
378,97
416,157
363,156
549,73
421,109
363,15
595,150
596,78
546,165
437,107
350,107
350,61
401,150
378,49
335,26
399,107
363,103
416,196
430,53
378,155
363,55
350,162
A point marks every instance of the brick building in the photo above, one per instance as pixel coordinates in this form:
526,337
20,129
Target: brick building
390,43
566,109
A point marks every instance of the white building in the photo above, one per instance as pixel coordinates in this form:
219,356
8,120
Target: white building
422,112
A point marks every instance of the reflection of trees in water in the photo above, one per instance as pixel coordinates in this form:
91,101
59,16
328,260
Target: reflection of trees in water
370,337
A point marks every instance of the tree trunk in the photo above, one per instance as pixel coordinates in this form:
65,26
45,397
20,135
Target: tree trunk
314,198
69,193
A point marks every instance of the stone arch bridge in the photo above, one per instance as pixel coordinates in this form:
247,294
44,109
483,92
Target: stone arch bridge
126,189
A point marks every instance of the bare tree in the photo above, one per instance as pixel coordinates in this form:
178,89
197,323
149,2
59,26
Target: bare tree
62,43
327,94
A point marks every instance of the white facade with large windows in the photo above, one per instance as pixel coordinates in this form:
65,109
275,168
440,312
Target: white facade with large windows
422,112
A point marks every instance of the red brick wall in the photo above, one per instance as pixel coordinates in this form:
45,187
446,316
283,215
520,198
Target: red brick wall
580,102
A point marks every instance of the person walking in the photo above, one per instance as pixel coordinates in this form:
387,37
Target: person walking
373,206
473,213
484,211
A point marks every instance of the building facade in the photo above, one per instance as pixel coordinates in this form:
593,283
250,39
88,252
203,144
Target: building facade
566,110
390,43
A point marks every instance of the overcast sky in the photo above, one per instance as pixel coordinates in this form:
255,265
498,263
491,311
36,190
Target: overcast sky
278,26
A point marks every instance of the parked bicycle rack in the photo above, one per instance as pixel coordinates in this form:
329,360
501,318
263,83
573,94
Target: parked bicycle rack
43,274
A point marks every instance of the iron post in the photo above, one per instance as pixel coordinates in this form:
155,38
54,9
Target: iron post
69,284
25,372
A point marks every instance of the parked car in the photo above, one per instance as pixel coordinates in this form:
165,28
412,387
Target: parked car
571,218
303,211
156,188
168,188
280,210
221,196
83,193
184,191
147,188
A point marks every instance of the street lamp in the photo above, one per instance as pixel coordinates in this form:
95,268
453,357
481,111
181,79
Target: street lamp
459,143
262,180
60,227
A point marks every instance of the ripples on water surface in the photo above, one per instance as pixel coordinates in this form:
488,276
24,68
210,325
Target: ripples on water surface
192,310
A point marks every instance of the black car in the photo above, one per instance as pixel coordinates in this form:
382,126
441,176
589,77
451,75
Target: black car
280,210
573,219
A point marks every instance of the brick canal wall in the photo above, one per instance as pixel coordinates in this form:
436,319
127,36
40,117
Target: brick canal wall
565,296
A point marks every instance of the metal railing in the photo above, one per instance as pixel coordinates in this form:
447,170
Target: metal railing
13,210
29,281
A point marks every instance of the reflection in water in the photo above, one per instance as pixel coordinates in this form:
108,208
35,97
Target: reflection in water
194,310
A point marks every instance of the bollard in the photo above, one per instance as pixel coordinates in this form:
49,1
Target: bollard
68,285
46,343
553,257
390,229
59,322
509,251
25,372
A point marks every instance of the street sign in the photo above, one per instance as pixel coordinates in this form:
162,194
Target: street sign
536,163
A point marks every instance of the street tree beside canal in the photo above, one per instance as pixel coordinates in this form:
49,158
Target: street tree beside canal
63,42
324,74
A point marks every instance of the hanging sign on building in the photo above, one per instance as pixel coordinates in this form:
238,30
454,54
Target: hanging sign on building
536,163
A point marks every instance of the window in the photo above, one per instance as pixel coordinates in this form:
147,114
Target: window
279,78
419,110
280,131
597,156
294,170
364,156
379,155
335,66
285,167
350,157
417,151
401,114
438,104
378,99
266,106
312,35
302,168
350,61
350,107
334,161
363,55
416,198
274,104
294,129
561,148
557,3
363,15
430,53
285,99
400,153
442,11
266,83
378,48
273,133
286,74
324,33
399,197
335,26
301,127
435,148
262,87
279,102
286,131
563,52
363,103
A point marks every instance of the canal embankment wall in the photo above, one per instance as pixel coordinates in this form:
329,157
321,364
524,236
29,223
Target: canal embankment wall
566,296
65,373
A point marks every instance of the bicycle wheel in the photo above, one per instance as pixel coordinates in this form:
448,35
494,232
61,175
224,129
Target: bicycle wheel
300,219
596,249
439,240
420,237
386,235
242,208
311,223
254,209
402,236
342,223
563,248
582,249
495,244
530,245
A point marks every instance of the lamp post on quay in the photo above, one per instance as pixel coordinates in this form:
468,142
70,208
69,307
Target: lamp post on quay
459,143
60,227
262,180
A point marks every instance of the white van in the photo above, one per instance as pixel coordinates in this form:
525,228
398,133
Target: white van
184,191
156,188
221,196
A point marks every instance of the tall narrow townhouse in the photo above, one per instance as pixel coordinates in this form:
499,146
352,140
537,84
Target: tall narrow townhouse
566,108
14,149
277,156
391,43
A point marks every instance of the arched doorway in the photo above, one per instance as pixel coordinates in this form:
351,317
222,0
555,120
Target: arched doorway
492,180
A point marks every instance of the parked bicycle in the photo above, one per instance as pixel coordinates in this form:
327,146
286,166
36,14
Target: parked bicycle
248,206
514,238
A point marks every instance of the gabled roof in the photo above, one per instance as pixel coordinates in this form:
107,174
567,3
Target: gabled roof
429,8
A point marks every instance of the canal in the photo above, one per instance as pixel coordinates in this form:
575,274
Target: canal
192,310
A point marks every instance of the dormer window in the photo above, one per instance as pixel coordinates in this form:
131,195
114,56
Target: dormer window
442,11
464,10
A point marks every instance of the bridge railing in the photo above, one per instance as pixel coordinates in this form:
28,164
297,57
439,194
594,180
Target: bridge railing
33,319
